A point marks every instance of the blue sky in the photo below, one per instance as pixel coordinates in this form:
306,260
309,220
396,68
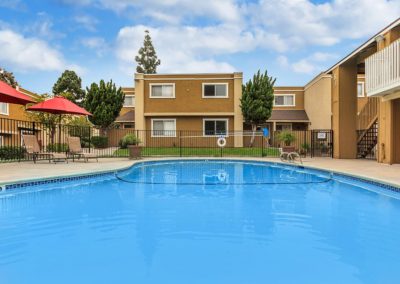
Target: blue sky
293,39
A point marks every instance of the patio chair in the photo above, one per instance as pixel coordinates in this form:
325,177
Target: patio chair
289,156
32,148
75,149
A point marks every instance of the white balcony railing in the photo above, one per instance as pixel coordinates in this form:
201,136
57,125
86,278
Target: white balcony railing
382,71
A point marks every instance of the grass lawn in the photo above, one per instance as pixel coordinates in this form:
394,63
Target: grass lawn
210,152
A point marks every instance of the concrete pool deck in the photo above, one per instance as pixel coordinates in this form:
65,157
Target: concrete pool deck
24,171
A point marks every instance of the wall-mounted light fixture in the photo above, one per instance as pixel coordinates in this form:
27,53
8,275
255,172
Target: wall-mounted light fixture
379,38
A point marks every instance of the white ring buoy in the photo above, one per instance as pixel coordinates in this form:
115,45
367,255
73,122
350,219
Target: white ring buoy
221,142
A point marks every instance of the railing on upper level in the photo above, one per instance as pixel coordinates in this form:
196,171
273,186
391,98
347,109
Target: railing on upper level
382,71
368,114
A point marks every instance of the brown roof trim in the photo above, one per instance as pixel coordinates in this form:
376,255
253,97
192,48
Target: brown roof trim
126,117
289,115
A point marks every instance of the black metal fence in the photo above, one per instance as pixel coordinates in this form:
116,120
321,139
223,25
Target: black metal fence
113,142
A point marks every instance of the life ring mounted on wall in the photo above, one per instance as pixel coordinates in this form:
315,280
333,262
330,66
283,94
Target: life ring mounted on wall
221,142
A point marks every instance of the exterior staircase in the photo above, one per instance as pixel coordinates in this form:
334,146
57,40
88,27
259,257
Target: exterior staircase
367,129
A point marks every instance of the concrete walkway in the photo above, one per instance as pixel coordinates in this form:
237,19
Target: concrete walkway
12,172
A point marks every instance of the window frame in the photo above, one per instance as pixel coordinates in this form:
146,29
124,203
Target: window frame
286,124
284,95
214,97
163,119
134,99
215,119
161,84
363,89
7,109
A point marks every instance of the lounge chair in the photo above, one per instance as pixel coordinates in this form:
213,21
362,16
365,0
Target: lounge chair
289,156
75,149
32,148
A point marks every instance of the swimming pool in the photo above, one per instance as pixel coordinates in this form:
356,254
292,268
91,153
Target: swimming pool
199,221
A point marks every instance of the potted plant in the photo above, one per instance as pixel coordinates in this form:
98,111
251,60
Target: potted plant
287,138
305,148
131,142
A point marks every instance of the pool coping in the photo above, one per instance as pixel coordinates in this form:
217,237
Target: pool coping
96,173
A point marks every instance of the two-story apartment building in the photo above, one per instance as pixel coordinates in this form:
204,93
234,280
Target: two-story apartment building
126,118
378,60
202,105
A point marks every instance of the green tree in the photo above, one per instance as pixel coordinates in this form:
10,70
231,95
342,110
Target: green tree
69,83
104,101
257,101
8,77
147,59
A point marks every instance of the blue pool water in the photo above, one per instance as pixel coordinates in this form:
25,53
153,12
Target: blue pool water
201,222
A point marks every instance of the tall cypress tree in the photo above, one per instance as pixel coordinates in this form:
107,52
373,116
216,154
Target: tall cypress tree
147,59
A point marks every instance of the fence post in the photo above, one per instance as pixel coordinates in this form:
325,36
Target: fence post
180,143
90,139
262,146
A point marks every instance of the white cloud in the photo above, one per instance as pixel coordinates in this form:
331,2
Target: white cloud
43,27
313,63
282,61
86,21
29,53
194,46
11,4
303,23
179,50
171,11
96,43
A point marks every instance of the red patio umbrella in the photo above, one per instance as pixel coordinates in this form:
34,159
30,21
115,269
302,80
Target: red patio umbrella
59,105
10,95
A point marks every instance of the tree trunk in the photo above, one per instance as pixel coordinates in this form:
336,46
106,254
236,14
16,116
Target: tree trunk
253,134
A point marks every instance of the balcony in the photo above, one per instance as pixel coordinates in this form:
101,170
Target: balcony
382,71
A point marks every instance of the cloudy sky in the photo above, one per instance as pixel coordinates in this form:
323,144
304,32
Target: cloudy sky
293,39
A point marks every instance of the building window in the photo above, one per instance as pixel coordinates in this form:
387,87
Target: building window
360,89
4,108
129,101
283,127
215,90
163,127
129,125
162,91
1,141
284,100
215,127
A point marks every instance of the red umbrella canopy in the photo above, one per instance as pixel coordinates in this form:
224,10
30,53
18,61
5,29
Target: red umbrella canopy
59,105
10,95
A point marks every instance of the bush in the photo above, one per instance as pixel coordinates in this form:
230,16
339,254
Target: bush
99,141
128,139
57,147
286,137
12,153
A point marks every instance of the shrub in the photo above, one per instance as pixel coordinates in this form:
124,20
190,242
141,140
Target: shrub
128,139
286,137
99,141
12,153
57,147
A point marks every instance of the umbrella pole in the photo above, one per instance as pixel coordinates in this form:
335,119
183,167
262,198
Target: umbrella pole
59,135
